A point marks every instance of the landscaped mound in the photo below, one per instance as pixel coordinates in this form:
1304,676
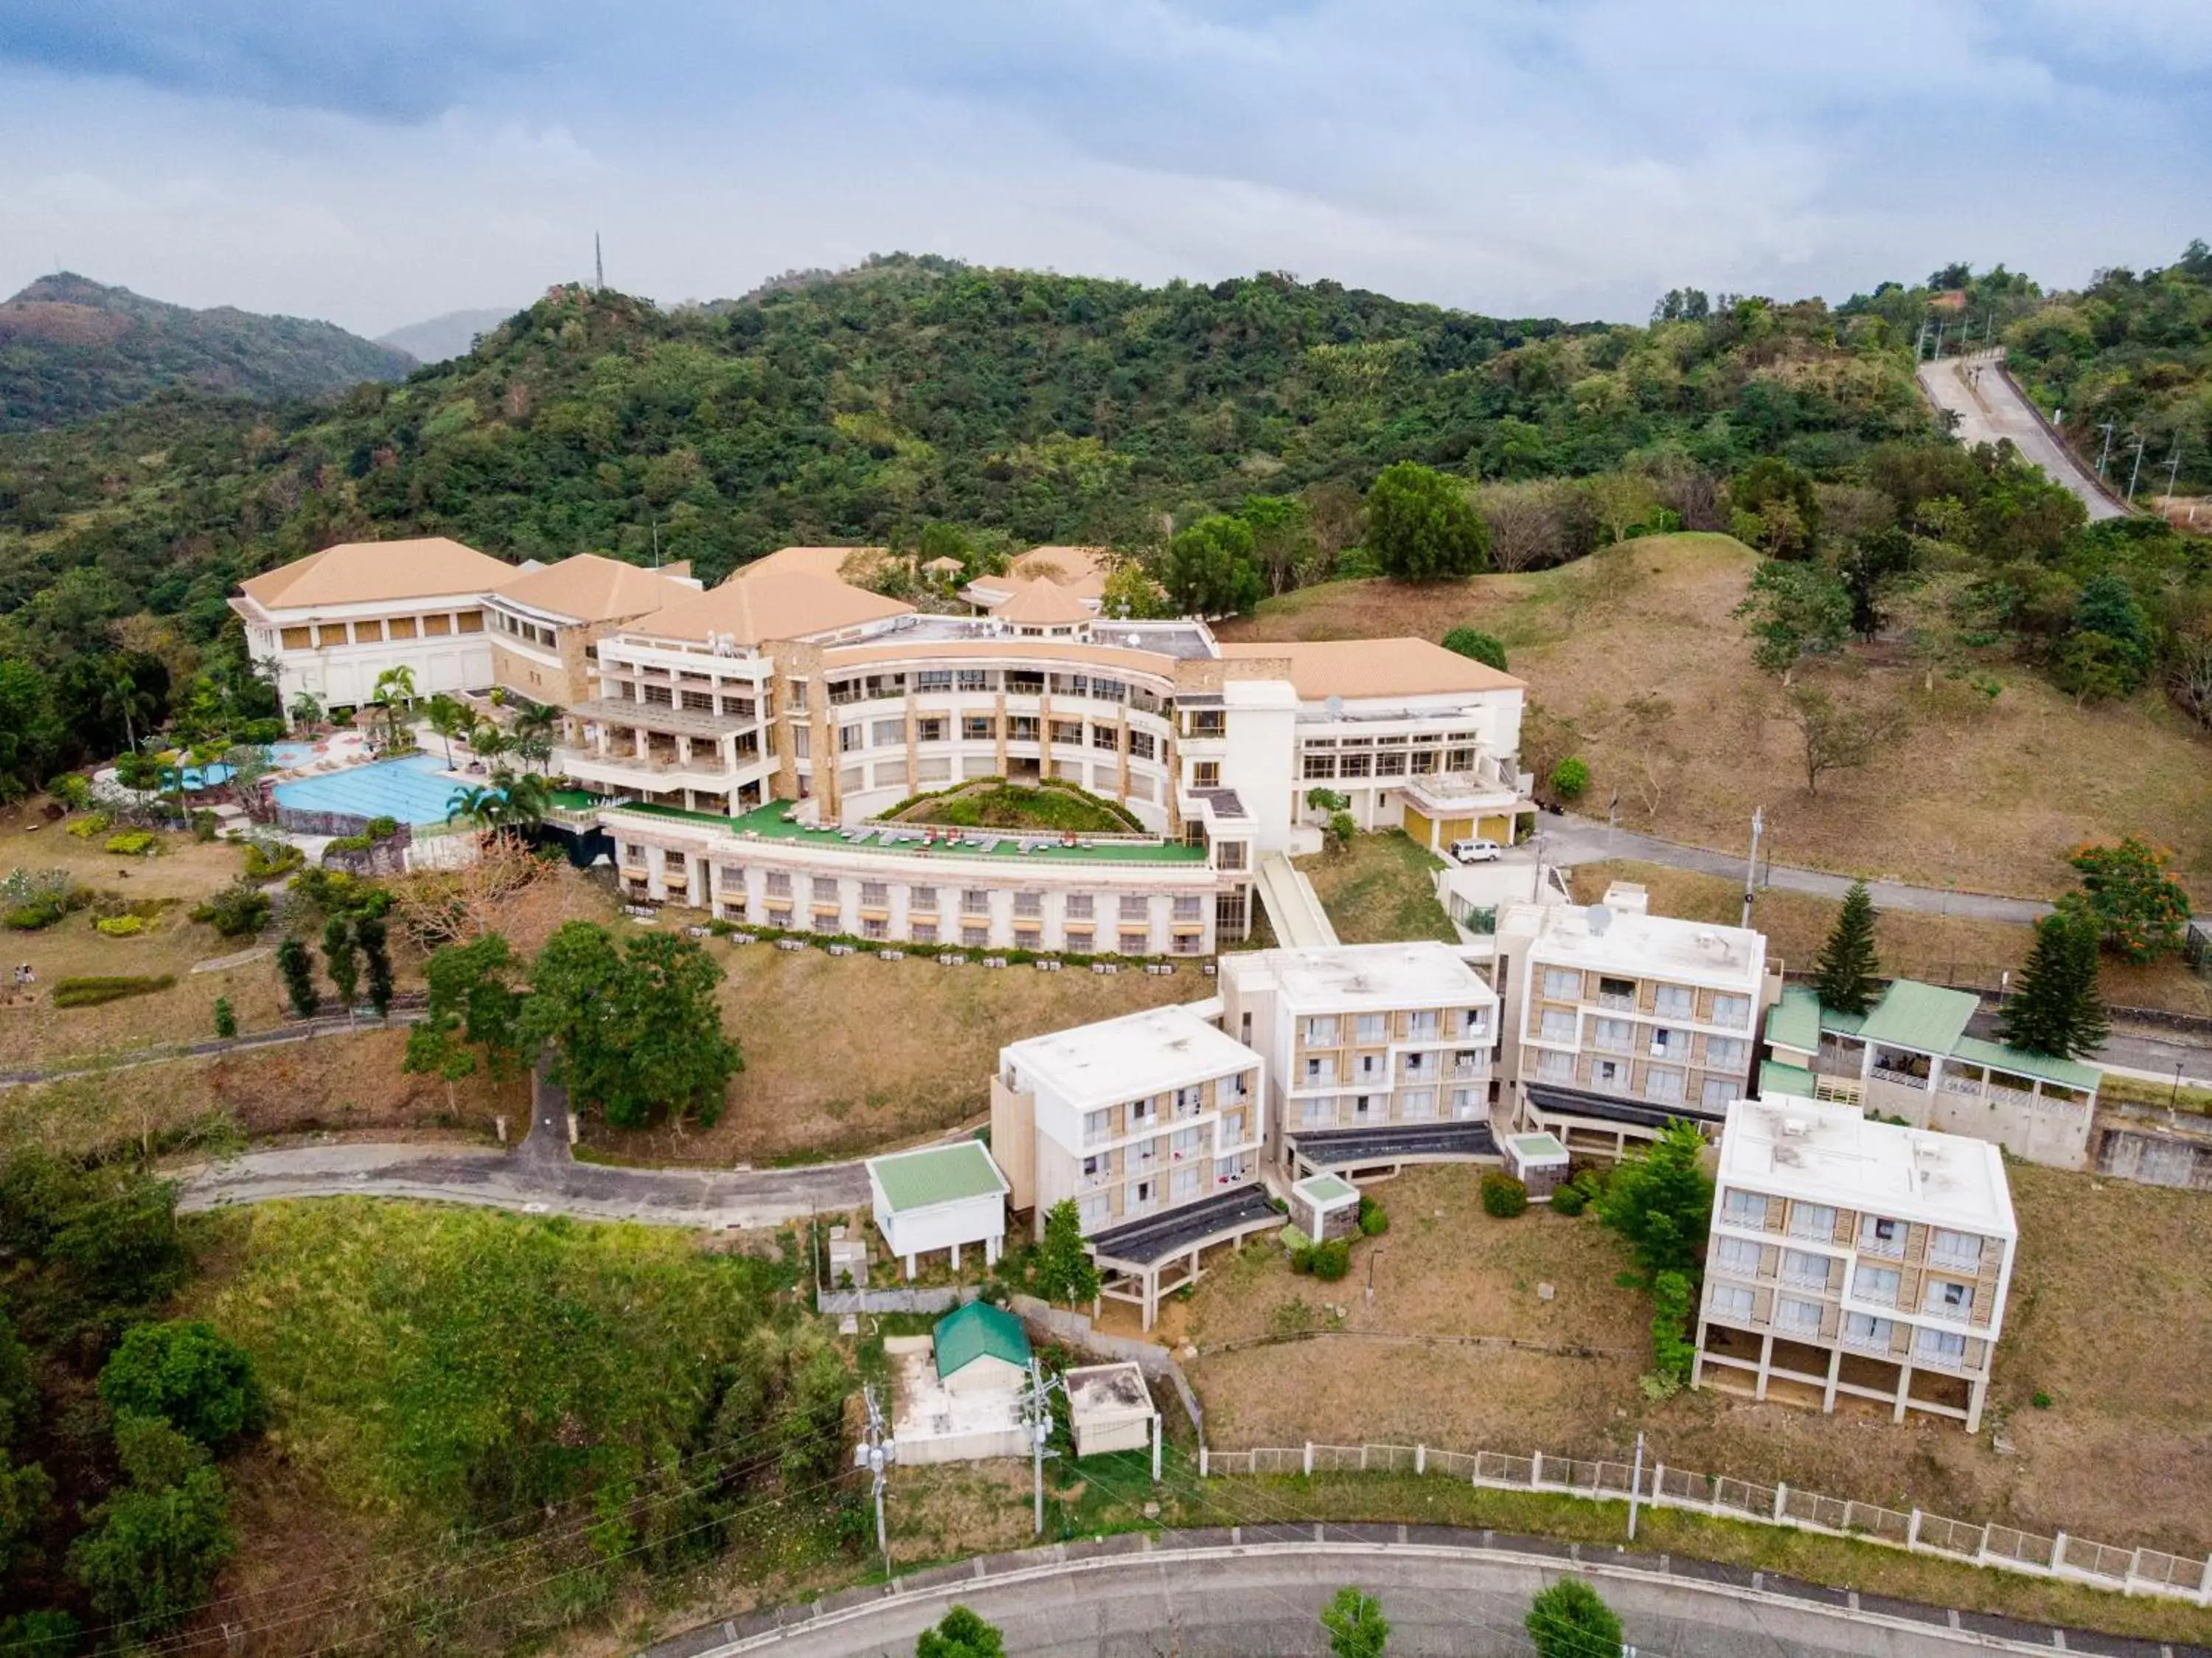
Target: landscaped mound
993,803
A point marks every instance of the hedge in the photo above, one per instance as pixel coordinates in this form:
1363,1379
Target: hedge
91,992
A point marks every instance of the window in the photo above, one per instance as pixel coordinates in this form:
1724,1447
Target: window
1028,903
921,898
1555,1067
1955,1249
1812,1220
1951,1300
1875,1283
1662,1085
1357,766
1614,1035
974,901
1093,1211
1745,1209
1466,1104
1104,736
1676,1001
875,893
875,927
887,733
1319,1112
978,728
1373,1027
1140,745
825,889
1611,1074
1946,1347
1727,1300
1320,1033
1422,1025
1362,1107
1417,1105
1669,1045
1562,984
779,883
1320,1070
1864,1330
1079,907
1880,1236
1135,907
1206,774
1557,1025
974,679
1719,1093
1182,1186
1801,1318
932,678
1737,1255
1191,907
1732,1011
1067,731
1131,943
1803,1266
1617,992
1319,767
930,728
923,932
975,938
1725,1052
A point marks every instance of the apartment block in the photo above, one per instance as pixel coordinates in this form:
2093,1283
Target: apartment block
1378,1055
546,623
1854,1259
1619,1021
1909,1056
1153,1124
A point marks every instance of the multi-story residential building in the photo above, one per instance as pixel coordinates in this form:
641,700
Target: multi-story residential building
546,621
1153,1124
1909,1056
1378,1055
336,621
1854,1259
1619,1021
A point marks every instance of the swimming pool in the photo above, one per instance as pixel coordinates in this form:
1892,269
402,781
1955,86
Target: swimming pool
283,754
412,790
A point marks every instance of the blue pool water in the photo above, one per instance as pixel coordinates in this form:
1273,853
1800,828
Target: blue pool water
411,791
285,754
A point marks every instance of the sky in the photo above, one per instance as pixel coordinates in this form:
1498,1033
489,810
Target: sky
378,164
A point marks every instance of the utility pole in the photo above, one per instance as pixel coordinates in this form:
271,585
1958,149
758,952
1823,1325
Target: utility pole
2105,453
2172,468
877,1456
2136,474
1920,341
598,265
1636,1488
1036,1419
1758,827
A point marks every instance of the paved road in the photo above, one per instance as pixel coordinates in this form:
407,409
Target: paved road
1977,391
541,1177
1438,1599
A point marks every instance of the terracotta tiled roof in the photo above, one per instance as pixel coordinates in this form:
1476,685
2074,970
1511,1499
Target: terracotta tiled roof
1377,667
788,604
1041,603
594,588
364,572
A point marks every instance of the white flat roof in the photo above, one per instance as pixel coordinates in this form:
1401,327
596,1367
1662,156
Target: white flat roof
1108,1393
1415,973
1829,1153
1138,1054
1640,945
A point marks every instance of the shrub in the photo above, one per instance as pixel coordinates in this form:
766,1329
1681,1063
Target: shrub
1671,1352
1570,1200
267,859
30,918
1571,777
334,892
1477,646
120,926
132,843
1503,1197
1333,1260
238,911
71,790
1302,1258
93,823
187,1375
382,828
225,1021
1373,1221
91,992
204,826
2041,1401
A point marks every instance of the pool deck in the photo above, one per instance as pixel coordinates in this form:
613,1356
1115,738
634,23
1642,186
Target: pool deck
775,822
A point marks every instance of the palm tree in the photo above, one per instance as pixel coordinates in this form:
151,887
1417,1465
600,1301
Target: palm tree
449,718
489,741
307,709
525,801
474,805
394,686
121,697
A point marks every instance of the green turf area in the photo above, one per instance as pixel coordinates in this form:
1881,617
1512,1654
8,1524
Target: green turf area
774,822
1380,888
1014,805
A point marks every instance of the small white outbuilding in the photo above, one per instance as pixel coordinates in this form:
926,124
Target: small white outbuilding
939,1197
1110,1408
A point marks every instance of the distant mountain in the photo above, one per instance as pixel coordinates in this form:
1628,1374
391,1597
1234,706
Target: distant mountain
72,348
442,338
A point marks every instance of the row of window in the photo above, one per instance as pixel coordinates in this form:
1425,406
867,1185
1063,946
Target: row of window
1320,1070
1014,681
1655,1041
1793,1316
1662,1085
1367,1029
323,635
1142,1196
1877,1234
976,901
1419,763
1869,1283
1414,1105
984,728
1668,1001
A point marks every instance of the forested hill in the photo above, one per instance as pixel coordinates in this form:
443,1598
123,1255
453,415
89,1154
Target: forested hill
853,407
72,348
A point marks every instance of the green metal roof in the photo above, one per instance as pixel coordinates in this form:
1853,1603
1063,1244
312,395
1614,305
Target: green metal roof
971,1332
1925,1018
1794,1020
1325,1188
1834,1022
937,1175
1976,1052
770,822
1775,1077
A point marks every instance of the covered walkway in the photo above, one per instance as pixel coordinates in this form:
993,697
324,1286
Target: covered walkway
1293,909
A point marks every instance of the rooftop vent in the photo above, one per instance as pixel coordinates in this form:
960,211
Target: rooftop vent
1599,918
1794,1126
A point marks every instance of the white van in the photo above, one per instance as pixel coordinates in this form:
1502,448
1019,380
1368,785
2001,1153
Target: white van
1475,851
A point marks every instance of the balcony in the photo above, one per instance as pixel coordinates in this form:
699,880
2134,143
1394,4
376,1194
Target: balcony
1875,1343
1614,1002
661,716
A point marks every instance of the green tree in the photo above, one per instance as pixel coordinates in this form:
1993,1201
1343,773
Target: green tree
2139,909
150,1552
473,1014
30,730
635,1030
2056,1009
813,1431
1660,1201
1065,1270
307,709
125,698
1568,1620
449,718
1793,611
1571,777
961,1634
1131,594
1476,645
368,932
394,691
1422,527
1871,566
341,960
1838,736
1783,503
1356,1625
297,969
1209,569
1844,972
189,1376
1282,537
40,1634
2108,610
225,1019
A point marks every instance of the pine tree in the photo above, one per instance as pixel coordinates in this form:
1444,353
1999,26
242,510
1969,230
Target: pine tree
297,969
2055,1010
376,960
1845,970
1065,1270
340,959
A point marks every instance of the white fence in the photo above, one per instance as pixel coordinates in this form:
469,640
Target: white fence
2072,1559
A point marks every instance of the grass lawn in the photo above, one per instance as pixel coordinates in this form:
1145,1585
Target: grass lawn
1016,805
2120,1456
1989,794
1379,888
850,1054
1939,949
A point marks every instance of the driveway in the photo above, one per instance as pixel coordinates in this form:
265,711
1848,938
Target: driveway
1989,407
